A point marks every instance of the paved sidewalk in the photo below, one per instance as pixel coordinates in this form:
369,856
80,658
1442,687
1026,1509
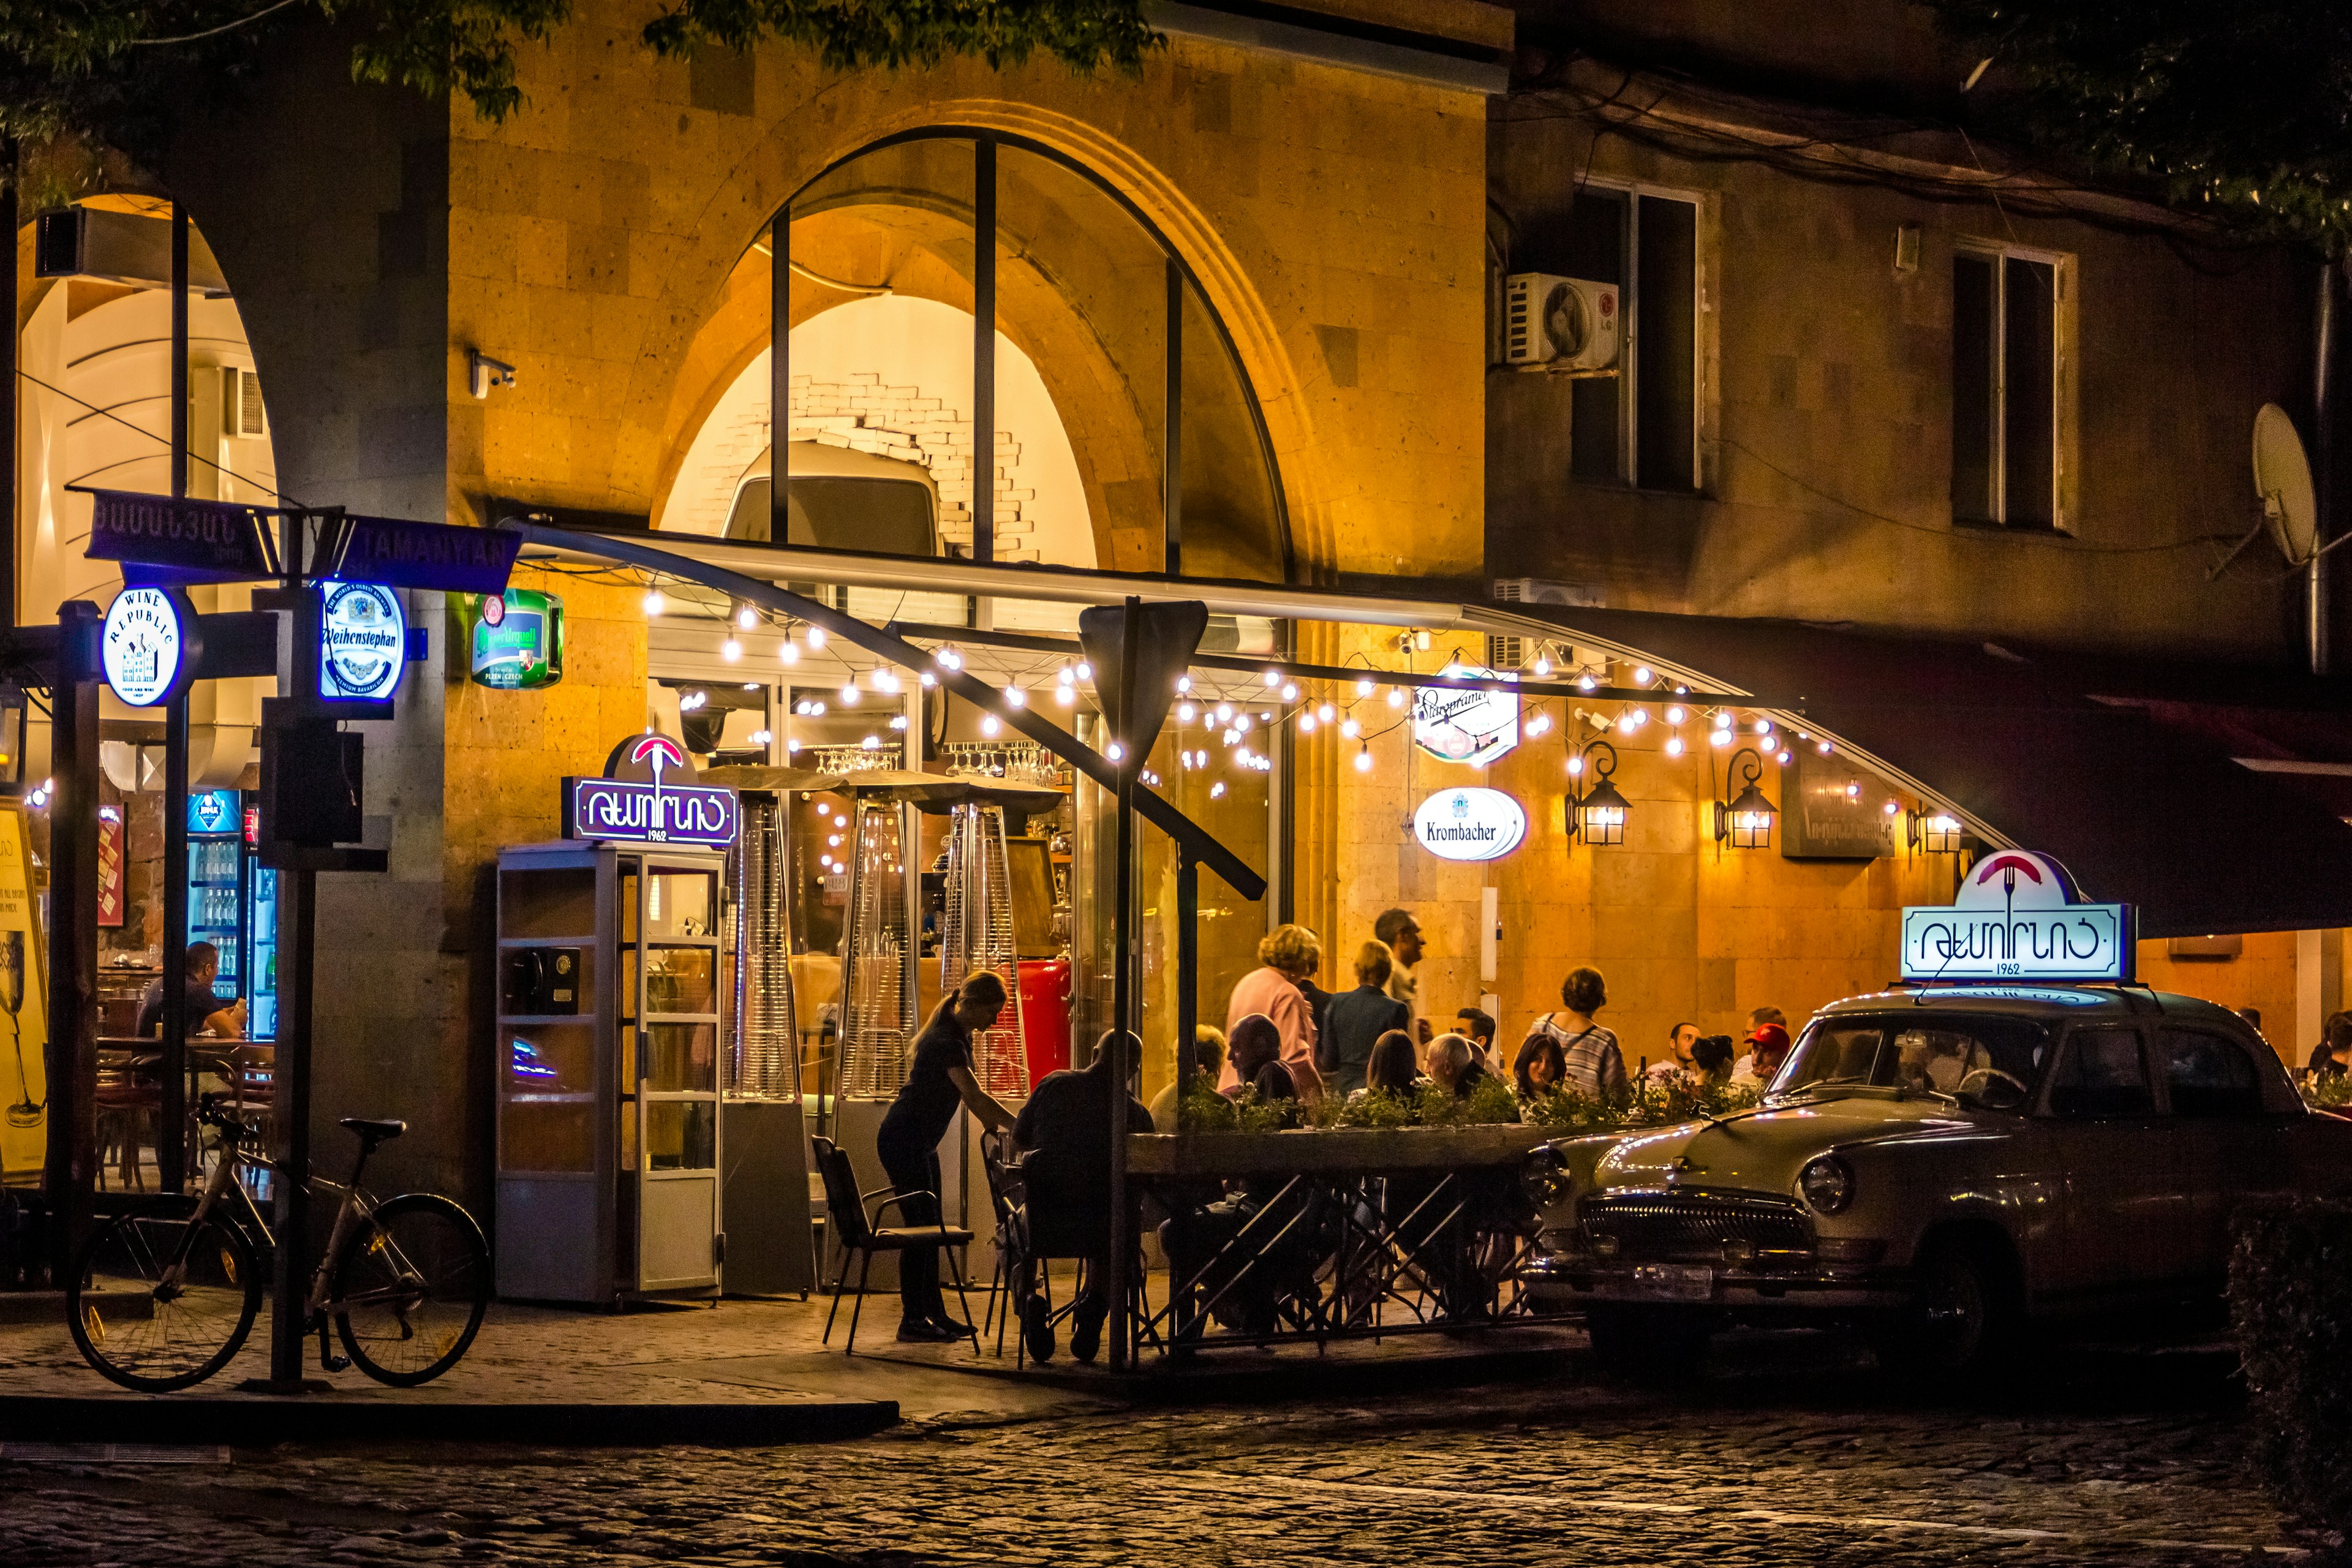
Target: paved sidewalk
737,1372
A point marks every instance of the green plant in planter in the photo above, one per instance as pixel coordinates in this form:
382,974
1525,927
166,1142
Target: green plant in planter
2331,1092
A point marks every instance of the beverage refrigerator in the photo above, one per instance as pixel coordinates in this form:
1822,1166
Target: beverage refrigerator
233,904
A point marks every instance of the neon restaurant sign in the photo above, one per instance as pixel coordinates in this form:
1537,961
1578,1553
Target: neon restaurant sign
648,795
2019,917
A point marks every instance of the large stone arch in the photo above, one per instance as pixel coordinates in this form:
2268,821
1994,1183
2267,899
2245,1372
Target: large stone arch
715,296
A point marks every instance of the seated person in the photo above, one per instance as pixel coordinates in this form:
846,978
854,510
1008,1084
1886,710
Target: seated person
1256,1051
206,1015
1453,1065
1711,1061
1479,1028
1540,1067
1207,1061
1066,1129
1392,1069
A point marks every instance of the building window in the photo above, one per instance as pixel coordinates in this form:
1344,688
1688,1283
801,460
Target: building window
1640,426
2006,364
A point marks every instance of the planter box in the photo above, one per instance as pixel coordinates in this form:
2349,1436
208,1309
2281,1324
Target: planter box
1332,1151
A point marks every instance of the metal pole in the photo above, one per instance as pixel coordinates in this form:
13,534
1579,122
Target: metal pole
171,1127
779,378
8,604
2323,428
984,351
1122,990
297,945
1172,414
1188,963
70,1174
170,1136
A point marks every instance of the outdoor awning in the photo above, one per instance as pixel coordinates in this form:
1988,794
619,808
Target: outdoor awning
2210,796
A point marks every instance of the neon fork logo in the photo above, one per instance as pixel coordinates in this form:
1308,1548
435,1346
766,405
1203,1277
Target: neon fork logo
657,753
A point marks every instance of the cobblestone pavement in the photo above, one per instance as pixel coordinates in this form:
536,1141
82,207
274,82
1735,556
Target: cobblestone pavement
1790,1452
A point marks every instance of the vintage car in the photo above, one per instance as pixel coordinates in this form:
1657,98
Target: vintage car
1936,1167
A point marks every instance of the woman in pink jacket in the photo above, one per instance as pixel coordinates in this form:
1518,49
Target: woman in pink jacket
1287,956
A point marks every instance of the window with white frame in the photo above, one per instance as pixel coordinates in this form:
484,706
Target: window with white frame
2008,370
1640,426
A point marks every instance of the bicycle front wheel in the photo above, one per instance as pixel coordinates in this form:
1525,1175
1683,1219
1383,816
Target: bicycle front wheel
410,1285
158,1301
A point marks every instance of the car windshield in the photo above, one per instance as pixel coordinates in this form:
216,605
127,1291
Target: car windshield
1941,1053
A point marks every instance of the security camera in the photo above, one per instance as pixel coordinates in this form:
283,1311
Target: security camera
484,372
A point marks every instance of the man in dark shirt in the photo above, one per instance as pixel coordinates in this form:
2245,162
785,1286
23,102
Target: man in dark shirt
205,1015
1256,1051
1065,1127
938,1083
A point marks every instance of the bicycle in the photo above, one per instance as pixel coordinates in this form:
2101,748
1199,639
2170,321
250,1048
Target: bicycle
405,1282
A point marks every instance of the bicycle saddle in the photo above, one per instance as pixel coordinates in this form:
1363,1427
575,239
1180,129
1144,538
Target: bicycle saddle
371,1131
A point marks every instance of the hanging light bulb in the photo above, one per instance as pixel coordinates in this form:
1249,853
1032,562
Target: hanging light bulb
1085,670
1185,712
1114,751
1183,685
1396,696
790,747
762,738
839,821
731,650
816,636
1720,738
1350,727
1674,745
899,722
1241,723
871,743
1363,685
988,724
788,652
654,601
834,841
886,680
1625,722
928,679
1782,759
1305,724
1066,677
1016,697
848,694
1585,682
1327,712
1642,675
1225,713
1676,714
1290,692
1575,764
1216,789
1763,726
1824,748
1273,677
1067,696
1364,758
1640,715
1543,666
747,617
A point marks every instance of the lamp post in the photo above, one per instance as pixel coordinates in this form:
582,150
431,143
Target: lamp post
1747,821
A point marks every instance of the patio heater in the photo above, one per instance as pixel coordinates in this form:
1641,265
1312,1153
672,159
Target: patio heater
977,933
878,949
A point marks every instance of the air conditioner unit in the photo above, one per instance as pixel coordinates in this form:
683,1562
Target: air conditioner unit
1566,321
242,413
1545,591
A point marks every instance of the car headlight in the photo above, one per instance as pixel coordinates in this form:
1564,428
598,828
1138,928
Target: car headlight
1827,1183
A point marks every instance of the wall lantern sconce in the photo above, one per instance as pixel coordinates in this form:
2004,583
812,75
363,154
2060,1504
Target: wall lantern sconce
1934,833
1597,815
1747,821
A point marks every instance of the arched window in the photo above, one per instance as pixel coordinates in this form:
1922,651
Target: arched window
950,280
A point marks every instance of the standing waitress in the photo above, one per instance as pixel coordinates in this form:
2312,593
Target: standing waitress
939,1083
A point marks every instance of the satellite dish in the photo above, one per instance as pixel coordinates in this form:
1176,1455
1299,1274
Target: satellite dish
2282,478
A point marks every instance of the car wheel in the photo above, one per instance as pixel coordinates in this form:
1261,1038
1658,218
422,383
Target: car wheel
1649,1345
1959,1317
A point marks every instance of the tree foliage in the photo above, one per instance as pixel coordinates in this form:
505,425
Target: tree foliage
116,72
2242,110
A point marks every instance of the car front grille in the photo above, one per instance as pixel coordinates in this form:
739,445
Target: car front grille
1653,1226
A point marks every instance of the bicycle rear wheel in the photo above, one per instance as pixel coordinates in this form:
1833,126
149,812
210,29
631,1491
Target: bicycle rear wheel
158,1301
410,1285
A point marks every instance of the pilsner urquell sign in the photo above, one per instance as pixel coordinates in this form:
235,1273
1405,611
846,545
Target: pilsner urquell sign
2018,917
648,795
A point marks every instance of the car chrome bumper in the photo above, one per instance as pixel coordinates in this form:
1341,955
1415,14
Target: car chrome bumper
1568,1281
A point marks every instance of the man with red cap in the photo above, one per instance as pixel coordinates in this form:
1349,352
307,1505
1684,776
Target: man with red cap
1767,1047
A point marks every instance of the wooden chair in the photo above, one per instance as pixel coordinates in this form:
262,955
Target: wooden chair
854,1231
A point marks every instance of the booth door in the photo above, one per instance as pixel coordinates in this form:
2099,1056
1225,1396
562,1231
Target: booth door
674,1072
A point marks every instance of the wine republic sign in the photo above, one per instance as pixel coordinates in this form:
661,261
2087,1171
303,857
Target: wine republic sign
2019,916
648,795
1470,825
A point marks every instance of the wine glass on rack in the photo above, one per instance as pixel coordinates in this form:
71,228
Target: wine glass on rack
23,1113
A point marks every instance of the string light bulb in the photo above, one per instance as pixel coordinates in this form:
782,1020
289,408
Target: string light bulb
788,652
1350,729
816,636
1085,670
849,694
1066,695
731,650
1364,758
988,724
1290,692
1674,745
1185,712
1363,685
747,617
1642,675
1396,696
1016,697
1543,666
653,603
1676,714
1273,678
